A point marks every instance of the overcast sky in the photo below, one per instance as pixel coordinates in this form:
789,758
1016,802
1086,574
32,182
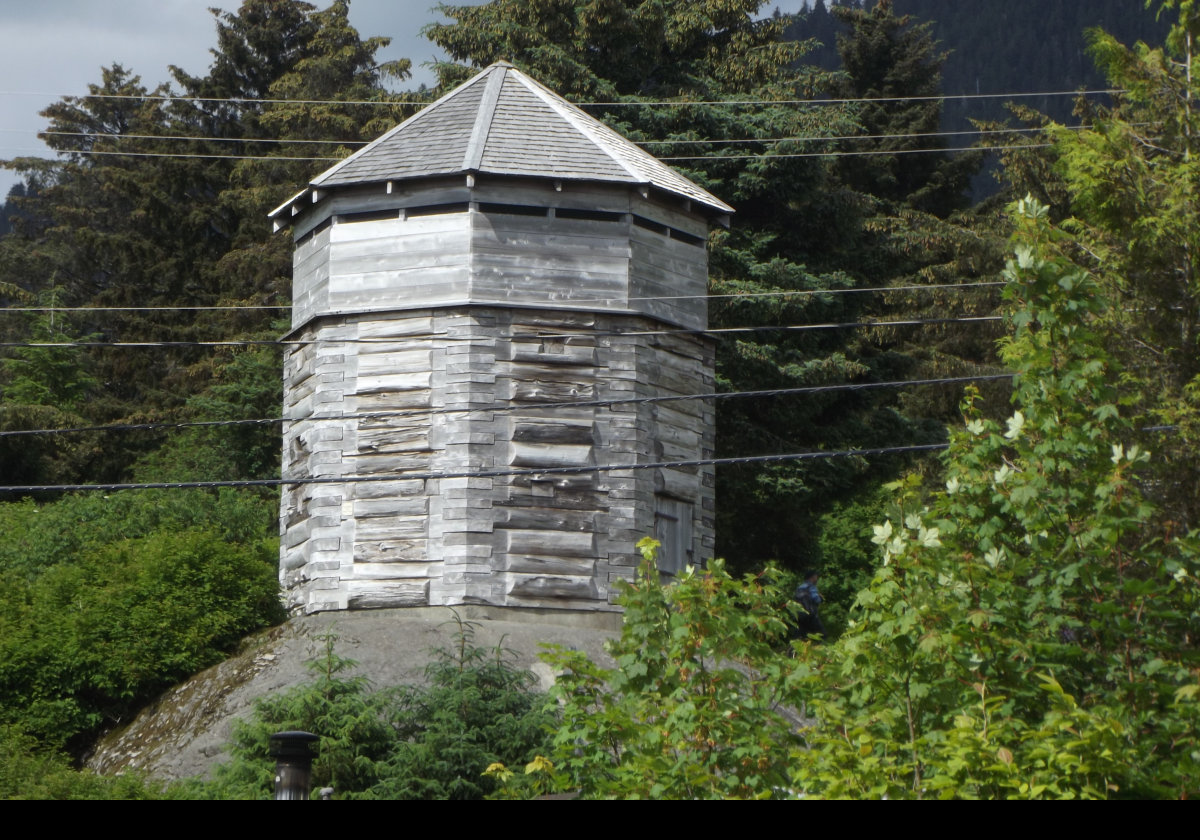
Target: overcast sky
53,48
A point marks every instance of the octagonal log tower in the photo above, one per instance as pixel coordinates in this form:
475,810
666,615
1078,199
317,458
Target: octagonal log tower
481,299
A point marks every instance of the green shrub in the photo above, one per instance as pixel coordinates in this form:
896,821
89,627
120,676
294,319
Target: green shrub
697,706
29,772
86,641
412,742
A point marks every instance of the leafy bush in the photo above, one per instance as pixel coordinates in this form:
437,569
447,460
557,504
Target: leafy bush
40,536
1028,635
846,557
86,641
29,772
697,706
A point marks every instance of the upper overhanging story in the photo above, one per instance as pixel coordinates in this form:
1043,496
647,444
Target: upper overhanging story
501,193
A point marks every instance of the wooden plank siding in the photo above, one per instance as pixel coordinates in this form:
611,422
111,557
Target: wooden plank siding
466,255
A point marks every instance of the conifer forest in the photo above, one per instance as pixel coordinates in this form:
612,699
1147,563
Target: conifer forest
958,307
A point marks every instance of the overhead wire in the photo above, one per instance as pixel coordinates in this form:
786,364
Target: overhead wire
824,139
592,469
953,97
870,153
177,155
203,138
479,473
189,137
513,407
285,342
837,138
714,157
642,298
231,307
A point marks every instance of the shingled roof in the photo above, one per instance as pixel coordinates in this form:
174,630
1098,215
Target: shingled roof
502,122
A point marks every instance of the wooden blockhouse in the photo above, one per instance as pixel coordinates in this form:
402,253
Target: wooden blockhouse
484,293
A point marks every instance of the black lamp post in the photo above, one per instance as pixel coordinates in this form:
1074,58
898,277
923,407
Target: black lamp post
293,754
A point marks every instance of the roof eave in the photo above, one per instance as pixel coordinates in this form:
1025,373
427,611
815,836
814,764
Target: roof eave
285,214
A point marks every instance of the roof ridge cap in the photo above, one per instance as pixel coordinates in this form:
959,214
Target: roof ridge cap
473,156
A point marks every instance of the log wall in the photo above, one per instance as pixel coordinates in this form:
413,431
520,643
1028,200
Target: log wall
478,389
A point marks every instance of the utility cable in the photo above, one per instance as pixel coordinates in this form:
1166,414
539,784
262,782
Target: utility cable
512,407
874,152
504,473
825,139
233,307
716,157
204,138
175,155
717,297
501,473
713,331
953,97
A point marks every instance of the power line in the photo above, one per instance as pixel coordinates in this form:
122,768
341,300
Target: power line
721,297
228,100
232,307
870,153
715,157
505,473
206,138
512,407
819,139
957,97
766,155
954,97
178,155
514,337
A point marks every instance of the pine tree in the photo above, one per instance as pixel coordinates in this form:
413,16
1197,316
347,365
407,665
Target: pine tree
113,224
896,61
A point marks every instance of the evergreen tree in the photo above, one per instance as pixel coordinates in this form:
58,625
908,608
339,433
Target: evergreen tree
432,741
125,217
896,61
108,226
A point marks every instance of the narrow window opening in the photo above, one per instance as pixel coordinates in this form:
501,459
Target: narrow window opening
643,222
686,237
368,216
436,209
588,215
512,209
